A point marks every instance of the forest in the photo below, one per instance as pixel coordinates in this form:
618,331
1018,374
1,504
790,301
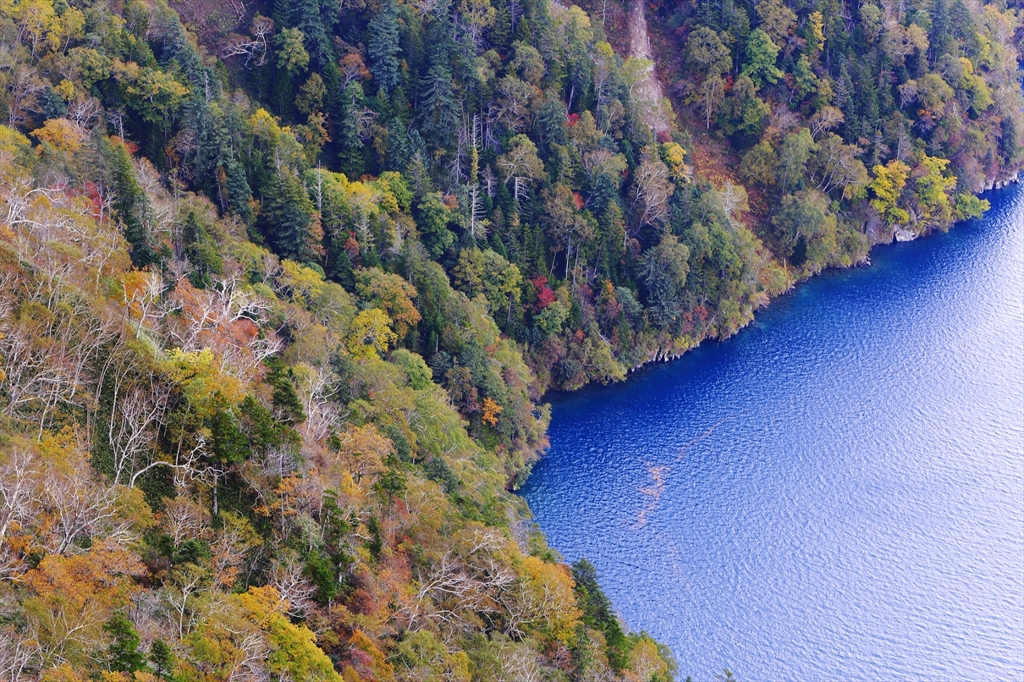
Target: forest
283,285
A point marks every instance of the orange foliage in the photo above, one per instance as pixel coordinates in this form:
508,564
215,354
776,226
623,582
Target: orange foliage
491,412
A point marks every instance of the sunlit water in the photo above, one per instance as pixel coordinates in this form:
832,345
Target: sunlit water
836,493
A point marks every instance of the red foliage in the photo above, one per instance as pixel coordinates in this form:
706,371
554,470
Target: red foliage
559,656
362,601
665,136
572,118
352,246
545,296
92,191
362,663
128,145
577,200
687,325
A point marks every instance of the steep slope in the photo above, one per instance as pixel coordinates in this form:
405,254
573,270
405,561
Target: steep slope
281,296
648,91
222,456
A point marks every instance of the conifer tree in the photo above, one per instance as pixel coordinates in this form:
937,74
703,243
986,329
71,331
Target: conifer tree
287,217
383,46
123,654
161,655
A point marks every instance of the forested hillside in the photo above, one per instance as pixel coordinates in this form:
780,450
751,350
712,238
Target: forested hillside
282,286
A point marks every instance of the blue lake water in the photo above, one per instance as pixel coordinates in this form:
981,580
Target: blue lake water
836,493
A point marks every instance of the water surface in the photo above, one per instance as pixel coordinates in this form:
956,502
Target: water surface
835,493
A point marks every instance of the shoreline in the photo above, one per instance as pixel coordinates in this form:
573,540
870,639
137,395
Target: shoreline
576,456
664,356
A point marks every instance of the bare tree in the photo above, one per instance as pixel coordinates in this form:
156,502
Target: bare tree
134,422
825,119
512,106
184,518
521,165
521,663
183,596
16,654
296,591
77,507
18,490
255,47
651,192
317,389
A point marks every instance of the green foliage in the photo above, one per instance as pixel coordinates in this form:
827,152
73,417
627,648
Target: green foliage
123,654
665,269
233,245
286,400
383,46
807,229
969,206
415,368
161,656
435,217
287,217
488,274
761,55
599,614
291,51
706,55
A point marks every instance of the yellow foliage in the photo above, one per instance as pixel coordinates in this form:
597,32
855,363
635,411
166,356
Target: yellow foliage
63,452
66,89
40,26
73,596
674,157
293,649
263,124
645,660
383,671
12,145
202,381
63,673
491,412
370,334
109,676
130,504
816,23
61,134
363,451
304,282
551,587
887,186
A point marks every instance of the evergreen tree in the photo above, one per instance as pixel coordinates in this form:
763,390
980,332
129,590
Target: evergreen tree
239,195
287,217
130,204
162,657
940,37
438,109
348,135
123,654
383,46
308,17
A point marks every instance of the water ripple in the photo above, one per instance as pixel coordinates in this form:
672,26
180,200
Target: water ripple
835,493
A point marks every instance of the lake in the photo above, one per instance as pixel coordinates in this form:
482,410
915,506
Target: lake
837,492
